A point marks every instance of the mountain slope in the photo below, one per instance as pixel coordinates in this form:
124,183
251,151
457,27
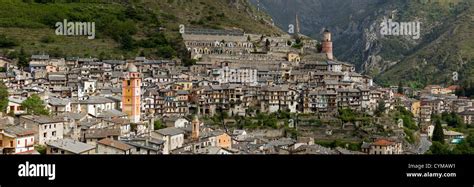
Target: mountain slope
449,49
123,28
357,39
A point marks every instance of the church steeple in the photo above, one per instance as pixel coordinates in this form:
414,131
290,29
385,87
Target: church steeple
131,93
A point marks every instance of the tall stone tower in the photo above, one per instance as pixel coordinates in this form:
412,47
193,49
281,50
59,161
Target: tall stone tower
131,93
195,128
298,30
327,45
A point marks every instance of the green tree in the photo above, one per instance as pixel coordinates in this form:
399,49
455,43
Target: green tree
438,134
452,119
22,58
34,105
158,125
267,45
127,42
166,51
407,118
439,148
3,97
466,146
400,87
41,149
6,42
347,115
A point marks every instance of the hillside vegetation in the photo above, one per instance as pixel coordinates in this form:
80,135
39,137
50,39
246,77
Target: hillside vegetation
448,47
124,29
446,43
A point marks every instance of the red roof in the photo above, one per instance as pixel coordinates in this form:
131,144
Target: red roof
383,142
454,87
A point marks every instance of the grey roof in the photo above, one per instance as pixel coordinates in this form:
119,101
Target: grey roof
17,100
314,149
87,124
182,92
105,92
467,112
115,98
115,144
146,143
101,133
74,116
58,101
40,57
116,74
348,152
111,113
37,65
113,62
170,131
43,119
70,145
96,100
281,142
18,130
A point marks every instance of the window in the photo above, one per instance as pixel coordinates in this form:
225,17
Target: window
128,82
44,135
54,133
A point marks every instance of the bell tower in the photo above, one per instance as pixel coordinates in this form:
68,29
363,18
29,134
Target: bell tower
327,44
131,93
195,128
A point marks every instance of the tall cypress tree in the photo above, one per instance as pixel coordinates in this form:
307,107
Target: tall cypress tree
400,87
438,134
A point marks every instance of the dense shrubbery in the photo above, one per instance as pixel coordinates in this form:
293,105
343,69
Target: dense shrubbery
465,147
354,146
466,90
6,42
348,115
35,105
117,22
407,117
452,119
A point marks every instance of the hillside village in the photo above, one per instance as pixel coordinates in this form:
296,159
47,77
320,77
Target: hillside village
246,94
